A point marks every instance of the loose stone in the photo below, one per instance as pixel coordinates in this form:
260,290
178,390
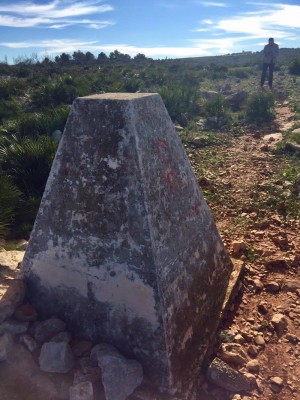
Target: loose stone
82,348
259,340
62,337
272,287
251,378
45,330
292,338
258,284
25,312
291,286
29,342
14,327
276,384
221,374
252,366
263,308
128,374
238,248
56,357
252,351
82,391
91,374
280,323
233,353
239,339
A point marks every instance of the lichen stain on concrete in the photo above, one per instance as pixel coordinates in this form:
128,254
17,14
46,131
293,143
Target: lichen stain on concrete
53,275
124,289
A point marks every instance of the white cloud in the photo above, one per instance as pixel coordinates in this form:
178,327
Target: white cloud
52,15
212,4
196,49
280,21
207,22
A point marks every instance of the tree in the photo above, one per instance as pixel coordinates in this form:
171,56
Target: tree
118,56
102,57
89,57
140,57
63,59
79,57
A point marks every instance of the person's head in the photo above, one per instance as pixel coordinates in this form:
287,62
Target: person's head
271,40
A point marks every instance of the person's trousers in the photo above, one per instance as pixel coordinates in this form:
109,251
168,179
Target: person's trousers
264,73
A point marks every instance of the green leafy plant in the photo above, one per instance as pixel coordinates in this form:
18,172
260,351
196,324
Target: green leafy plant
294,66
28,163
180,101
217,112
260,107
10,197
42,123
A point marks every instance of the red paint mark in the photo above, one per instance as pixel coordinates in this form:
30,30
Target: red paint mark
197,208
161,145
170,180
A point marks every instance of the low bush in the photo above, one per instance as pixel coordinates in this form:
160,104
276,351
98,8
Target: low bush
10,197
217,112
260,107
181,103
42,123
28,163
294,66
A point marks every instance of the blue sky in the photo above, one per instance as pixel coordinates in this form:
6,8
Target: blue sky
156,28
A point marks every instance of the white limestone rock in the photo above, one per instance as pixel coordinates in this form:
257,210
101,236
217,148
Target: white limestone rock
14,327
120,376
29,342
221,374
82,391
56,357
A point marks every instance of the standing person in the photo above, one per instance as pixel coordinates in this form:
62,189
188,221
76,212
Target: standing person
270,54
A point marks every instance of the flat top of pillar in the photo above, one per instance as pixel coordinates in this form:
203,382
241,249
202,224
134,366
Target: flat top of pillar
118,96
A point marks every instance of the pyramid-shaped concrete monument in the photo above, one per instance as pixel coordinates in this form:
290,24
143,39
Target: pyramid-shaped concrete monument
124,247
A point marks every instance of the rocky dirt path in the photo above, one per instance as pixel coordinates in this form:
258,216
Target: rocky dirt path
255,209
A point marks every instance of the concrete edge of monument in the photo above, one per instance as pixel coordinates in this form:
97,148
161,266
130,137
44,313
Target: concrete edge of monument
124,247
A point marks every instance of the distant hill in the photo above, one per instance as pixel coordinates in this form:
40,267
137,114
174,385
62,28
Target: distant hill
241,59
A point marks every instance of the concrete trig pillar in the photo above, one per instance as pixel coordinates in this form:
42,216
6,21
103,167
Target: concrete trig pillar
124,247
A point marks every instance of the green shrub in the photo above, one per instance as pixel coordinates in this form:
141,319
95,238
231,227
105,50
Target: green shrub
179,102
241,73
55,92
43,123
9,109
260,107
10,197
217,112
28,163
11,87
294,66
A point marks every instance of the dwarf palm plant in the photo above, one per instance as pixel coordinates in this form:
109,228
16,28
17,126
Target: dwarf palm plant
28,163
10,197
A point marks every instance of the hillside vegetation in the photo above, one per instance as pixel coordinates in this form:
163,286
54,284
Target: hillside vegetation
211,100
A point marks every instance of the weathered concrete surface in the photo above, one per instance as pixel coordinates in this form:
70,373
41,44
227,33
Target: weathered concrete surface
124,247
